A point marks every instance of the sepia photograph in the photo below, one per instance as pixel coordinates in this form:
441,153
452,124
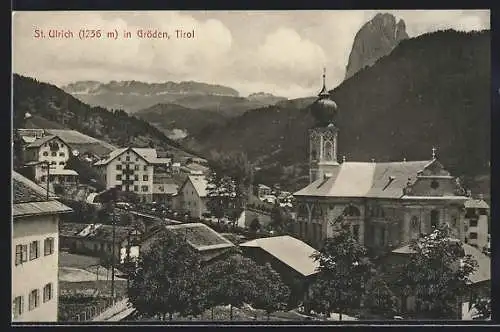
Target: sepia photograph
300,166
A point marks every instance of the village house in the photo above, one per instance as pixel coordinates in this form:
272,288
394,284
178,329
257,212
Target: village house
288,256
476,223
35,252
203,239
132,169
479,285
192,196
97,239
50,151
263,191
386,204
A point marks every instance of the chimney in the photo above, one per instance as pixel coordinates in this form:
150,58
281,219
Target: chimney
404,160
373,160
481,197
343,159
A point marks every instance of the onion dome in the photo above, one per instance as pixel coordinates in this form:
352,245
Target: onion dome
324,108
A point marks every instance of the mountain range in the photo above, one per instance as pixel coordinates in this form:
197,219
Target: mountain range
432,90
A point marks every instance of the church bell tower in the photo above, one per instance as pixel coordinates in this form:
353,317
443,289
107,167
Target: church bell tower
323,138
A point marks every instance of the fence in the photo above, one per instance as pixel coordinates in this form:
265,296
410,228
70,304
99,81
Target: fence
93,310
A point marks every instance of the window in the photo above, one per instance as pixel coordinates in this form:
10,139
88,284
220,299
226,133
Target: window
136,177
470,213
45,154
43,178
136,167
33,250
53,163
34,299
136,158
48,246
136,188
21,253
47,292
119,159
18,306
144,178
144,188
483,212
127,158
473,235
119,177
415,224
54,154
61,154
473,223
61,163
434,184
355,232
352,211
118,167
434,218
145,168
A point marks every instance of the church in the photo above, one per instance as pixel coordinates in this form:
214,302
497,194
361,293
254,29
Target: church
386,204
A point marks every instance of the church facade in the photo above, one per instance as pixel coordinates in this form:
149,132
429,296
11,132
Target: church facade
386,204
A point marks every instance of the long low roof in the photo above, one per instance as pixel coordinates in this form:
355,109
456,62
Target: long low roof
39,208
290,251
61,171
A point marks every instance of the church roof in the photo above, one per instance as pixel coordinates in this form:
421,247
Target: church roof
363,179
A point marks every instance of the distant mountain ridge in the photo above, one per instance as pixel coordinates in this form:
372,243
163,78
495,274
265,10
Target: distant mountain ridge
432,90
376,38
133,96
48,104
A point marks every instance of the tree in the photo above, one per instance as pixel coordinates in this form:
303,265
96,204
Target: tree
254,225
379,298
231,281
222,196
483,307
272,294
17,151
437,273
344,269
166,280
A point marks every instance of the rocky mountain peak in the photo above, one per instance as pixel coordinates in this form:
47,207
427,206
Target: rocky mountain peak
376,38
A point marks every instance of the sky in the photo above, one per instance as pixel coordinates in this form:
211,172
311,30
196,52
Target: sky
279,52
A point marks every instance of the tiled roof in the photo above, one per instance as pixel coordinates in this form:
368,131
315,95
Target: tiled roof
200,236
289,250
101,232
39,142
76,137
476,203
70,229
24,190
483,272
168,188
361,179
148,154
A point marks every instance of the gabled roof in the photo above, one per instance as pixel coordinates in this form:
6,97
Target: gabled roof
289,250
31,199
200,236
39,142
116,153
200,184
362,179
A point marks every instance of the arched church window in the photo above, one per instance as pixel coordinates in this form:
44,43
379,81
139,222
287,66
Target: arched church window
352,211
434,218
434,184
415,224
328,150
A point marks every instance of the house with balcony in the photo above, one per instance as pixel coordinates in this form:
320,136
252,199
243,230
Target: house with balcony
50,151
132,169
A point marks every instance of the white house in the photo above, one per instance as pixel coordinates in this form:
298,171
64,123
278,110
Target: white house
131,169
35,237
192,195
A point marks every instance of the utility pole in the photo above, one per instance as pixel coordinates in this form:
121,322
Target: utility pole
127,262
48,176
